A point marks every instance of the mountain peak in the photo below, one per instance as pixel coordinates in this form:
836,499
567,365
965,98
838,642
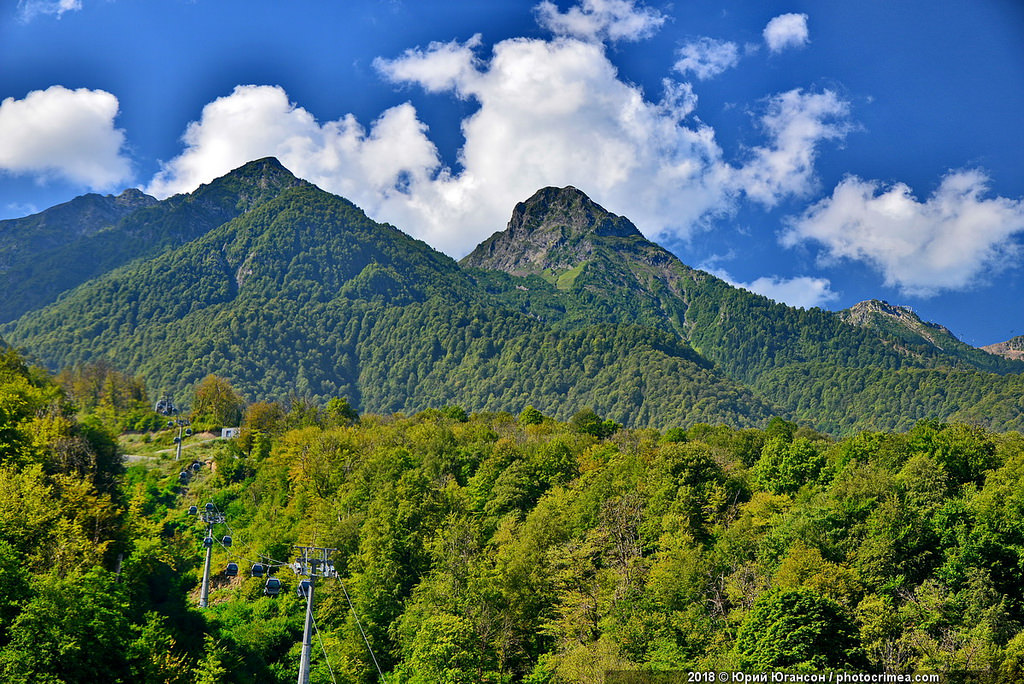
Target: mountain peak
555,229
569,212
881,314
1011,349
247,186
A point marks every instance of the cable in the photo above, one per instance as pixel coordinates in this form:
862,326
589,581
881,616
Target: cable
324,649
360,626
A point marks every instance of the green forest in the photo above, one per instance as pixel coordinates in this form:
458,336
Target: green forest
298,291
493,546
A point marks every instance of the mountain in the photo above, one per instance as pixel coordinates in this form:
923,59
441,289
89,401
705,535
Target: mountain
1011,349
288,290
304,294
816,364
902,327
44,255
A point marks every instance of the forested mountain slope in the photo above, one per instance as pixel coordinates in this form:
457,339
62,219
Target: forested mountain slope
305,295
499,548
568,260
44,255
296,291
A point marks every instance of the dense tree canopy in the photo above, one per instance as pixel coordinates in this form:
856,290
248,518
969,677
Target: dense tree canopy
490,547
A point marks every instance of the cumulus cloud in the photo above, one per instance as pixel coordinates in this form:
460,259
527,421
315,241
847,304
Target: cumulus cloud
796,122
599,20
555,112
29,9
367,166
802,291
786,31
707,57
548,112
948,242
64,133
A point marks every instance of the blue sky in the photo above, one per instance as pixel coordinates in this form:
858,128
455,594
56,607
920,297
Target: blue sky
818,152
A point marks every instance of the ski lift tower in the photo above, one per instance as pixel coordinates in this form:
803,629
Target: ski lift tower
313,562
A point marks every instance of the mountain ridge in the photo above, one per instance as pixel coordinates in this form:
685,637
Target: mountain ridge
102,241
569,307
1010,349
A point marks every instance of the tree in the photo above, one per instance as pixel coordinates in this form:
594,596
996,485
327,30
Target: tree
215,403
531,416
798,629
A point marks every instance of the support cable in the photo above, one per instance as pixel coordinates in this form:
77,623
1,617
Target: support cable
324,649
360,626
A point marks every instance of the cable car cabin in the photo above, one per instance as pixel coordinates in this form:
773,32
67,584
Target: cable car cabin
208,542
259,570
197,466
302,590
231,570
193,510
210,508
184,475
272,587
226,541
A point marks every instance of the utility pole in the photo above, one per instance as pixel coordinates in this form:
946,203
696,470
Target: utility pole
181,422
166,407
211,517
313,562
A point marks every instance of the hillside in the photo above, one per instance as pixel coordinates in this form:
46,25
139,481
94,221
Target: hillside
1011,349
305,295
299,293
566,260
907,332
47,254
500,549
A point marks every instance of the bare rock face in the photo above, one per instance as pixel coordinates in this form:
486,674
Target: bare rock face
555,230
1011,349
878,314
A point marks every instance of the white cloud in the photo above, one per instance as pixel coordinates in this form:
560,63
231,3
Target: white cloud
441,67
549,112
556,113
948,242
786,31
802,291
29,9
367,167
599,20
796,122
59,132
707,57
